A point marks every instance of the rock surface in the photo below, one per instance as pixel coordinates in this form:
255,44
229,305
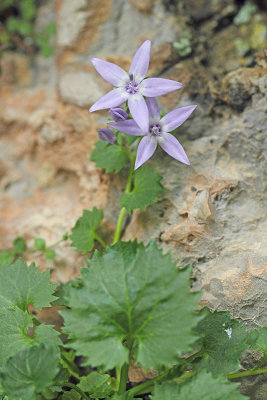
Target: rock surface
213,214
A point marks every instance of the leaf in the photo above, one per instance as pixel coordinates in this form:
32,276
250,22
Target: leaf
121,397
6,256
28,9
23,27
14,326
39,244
132,292
83,233
97,385
261,343
110,157
50,29
19,245
50,254
71,395
61,378
29,372
147,188
21,285
201,387
223,341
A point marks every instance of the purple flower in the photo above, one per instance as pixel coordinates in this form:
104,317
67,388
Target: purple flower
132,86
118,114
107,135
157,133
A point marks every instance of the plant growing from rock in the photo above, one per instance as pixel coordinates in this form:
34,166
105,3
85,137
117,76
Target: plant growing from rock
131,304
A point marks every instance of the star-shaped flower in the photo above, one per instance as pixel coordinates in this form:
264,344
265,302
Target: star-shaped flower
157,132
132,86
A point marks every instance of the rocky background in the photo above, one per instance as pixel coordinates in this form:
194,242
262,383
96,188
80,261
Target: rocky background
213,214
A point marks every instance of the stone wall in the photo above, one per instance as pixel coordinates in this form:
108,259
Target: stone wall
213,214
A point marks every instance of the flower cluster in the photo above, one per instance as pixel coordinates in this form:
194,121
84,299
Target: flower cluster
133,87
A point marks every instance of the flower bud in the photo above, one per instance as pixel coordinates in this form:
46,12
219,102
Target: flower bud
118,114
107,135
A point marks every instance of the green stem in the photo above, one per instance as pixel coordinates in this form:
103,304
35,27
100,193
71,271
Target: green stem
100,240
125,369
147,386
55,244
247,373
71,367
128,188
78,390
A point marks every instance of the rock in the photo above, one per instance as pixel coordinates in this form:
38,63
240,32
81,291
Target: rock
204,9
162,57
143,5
79,87
16,69
72,18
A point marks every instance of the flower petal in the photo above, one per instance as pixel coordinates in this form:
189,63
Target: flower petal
153,108
139,111
153,87
140,60
145,150
177,117
128,126
109,71
171,145
113,98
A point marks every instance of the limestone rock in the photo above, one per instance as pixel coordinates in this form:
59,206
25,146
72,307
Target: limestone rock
79,87
72,18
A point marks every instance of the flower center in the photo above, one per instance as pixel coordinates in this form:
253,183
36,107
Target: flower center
131,86
155,130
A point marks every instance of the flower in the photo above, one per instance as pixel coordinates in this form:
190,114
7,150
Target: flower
132,86
118,114
107,135
157,133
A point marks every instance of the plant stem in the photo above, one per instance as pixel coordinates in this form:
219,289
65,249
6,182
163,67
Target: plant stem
125,369
146,386
247,373
78,390
128,188
71,367
100,240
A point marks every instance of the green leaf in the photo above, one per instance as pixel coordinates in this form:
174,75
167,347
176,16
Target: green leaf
23,27
21,285
223,340
261,343
14,326
71,395
67,360
61,378
39,244
28,9
62,294
50,29
83,233
147,188
50,254
110,157
133,293
7,256
121,397
19,245
97,385
201,387
29,372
